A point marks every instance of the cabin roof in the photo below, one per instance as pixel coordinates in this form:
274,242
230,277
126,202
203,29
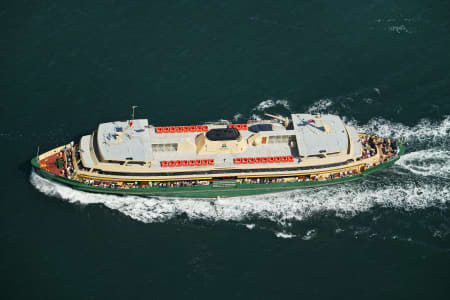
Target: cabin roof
120,141
312,137
117,141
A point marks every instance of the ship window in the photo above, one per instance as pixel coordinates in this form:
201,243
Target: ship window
164,147
280,139
332,153
317,155
95,144
98,171
141,163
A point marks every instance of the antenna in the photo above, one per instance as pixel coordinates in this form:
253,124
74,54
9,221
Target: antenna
318,108
132,114
326,127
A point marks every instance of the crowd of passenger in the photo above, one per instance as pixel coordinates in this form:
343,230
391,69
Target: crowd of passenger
369,146
389,147
140,184
69,170
186,183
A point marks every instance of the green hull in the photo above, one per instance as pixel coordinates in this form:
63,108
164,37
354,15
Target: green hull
211,191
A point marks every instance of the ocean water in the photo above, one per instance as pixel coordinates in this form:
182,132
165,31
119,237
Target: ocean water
383,66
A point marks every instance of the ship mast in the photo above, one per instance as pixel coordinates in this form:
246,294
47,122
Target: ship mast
326,127
133,108
318,109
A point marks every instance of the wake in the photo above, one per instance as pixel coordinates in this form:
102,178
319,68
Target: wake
345,200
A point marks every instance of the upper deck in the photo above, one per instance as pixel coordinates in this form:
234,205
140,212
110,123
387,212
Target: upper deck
138,147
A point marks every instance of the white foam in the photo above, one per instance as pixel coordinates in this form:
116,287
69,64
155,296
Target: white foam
424,130
398,28
430,162
263,105
283,103
309,235
266,104
255,117
323,103
223,120
285,235
250,226
237,117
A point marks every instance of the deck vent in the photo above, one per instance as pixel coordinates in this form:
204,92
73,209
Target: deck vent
223,134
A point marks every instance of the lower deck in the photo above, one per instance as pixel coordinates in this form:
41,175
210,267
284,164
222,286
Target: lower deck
203,187
223,188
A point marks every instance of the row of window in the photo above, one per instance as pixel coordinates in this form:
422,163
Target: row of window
164,147
280,139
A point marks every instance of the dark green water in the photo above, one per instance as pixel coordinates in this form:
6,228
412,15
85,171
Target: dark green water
383,65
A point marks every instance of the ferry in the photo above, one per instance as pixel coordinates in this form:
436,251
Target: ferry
217,159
